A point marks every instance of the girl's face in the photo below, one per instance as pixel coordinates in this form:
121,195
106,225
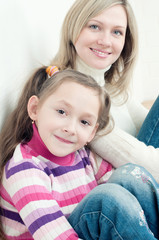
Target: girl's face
67,119
102,39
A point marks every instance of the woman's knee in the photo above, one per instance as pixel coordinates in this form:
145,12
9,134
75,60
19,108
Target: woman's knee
139,182
131,174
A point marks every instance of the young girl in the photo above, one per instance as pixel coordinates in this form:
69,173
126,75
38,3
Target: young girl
47,171
100,38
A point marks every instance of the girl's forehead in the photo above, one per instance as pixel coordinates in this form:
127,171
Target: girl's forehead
73,90
69,86
75,96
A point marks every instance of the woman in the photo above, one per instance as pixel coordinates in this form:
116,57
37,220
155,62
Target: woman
52,185
99,38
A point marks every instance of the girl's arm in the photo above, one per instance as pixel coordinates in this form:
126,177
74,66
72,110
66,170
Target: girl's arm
102,169
30,191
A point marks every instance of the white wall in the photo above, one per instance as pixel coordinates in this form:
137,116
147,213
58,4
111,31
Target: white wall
146,78
29,36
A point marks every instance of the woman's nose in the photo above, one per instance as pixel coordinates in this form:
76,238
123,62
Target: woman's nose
104,39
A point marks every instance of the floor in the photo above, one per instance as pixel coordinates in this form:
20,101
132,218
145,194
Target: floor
148,104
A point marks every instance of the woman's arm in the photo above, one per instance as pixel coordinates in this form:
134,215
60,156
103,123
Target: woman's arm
137,112
119,148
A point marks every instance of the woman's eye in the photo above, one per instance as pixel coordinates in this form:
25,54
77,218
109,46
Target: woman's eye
84,122
60,111
93,26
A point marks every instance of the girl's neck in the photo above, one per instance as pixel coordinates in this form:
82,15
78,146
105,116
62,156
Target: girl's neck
39,149
97,74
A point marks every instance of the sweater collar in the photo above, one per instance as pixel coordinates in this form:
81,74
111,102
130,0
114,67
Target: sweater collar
38,147
97,74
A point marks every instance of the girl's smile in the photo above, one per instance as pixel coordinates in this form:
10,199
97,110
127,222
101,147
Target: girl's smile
63,140
67,120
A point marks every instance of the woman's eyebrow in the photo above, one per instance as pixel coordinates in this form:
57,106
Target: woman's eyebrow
98,21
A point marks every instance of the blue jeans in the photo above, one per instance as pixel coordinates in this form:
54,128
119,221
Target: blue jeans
126,207
149,132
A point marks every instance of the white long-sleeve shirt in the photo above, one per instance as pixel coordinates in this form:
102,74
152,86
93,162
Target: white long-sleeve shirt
121,146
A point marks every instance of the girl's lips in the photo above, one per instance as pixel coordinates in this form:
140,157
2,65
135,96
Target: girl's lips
100,53
63,140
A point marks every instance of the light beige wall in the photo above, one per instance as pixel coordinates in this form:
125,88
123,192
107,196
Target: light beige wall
30,35
146,78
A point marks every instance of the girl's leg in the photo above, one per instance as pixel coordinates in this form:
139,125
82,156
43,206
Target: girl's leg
144,188
149,132
110,212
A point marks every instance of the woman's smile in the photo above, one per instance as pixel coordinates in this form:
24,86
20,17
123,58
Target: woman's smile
100,53
102,39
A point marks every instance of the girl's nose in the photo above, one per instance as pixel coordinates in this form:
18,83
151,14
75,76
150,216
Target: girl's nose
70,128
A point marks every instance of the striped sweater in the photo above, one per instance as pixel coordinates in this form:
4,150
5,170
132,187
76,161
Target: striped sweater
39,191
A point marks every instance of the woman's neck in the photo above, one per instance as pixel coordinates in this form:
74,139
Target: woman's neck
97,74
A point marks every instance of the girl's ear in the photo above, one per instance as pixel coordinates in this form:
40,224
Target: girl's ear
93,133
32,107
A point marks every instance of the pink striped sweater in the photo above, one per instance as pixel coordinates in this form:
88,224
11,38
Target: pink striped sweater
39,191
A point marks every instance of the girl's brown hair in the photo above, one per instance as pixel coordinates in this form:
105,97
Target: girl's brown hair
18,127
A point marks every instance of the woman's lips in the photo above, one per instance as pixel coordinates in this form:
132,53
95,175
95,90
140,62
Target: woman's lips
100,53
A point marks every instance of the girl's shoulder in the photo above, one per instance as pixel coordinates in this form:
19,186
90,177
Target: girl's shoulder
23,153
83,155
23,158
84,152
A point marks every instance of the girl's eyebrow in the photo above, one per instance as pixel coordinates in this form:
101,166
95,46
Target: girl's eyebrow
65,103
86,114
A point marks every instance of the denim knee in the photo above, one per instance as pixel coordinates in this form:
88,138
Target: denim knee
137,180
112,212
130,173
140,183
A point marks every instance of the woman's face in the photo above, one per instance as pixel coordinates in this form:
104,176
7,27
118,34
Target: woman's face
101,41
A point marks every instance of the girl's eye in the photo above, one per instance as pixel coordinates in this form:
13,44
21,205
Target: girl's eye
84,122
118,33
60,111
93,26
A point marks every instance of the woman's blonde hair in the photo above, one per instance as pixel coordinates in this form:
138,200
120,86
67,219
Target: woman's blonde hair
119,75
